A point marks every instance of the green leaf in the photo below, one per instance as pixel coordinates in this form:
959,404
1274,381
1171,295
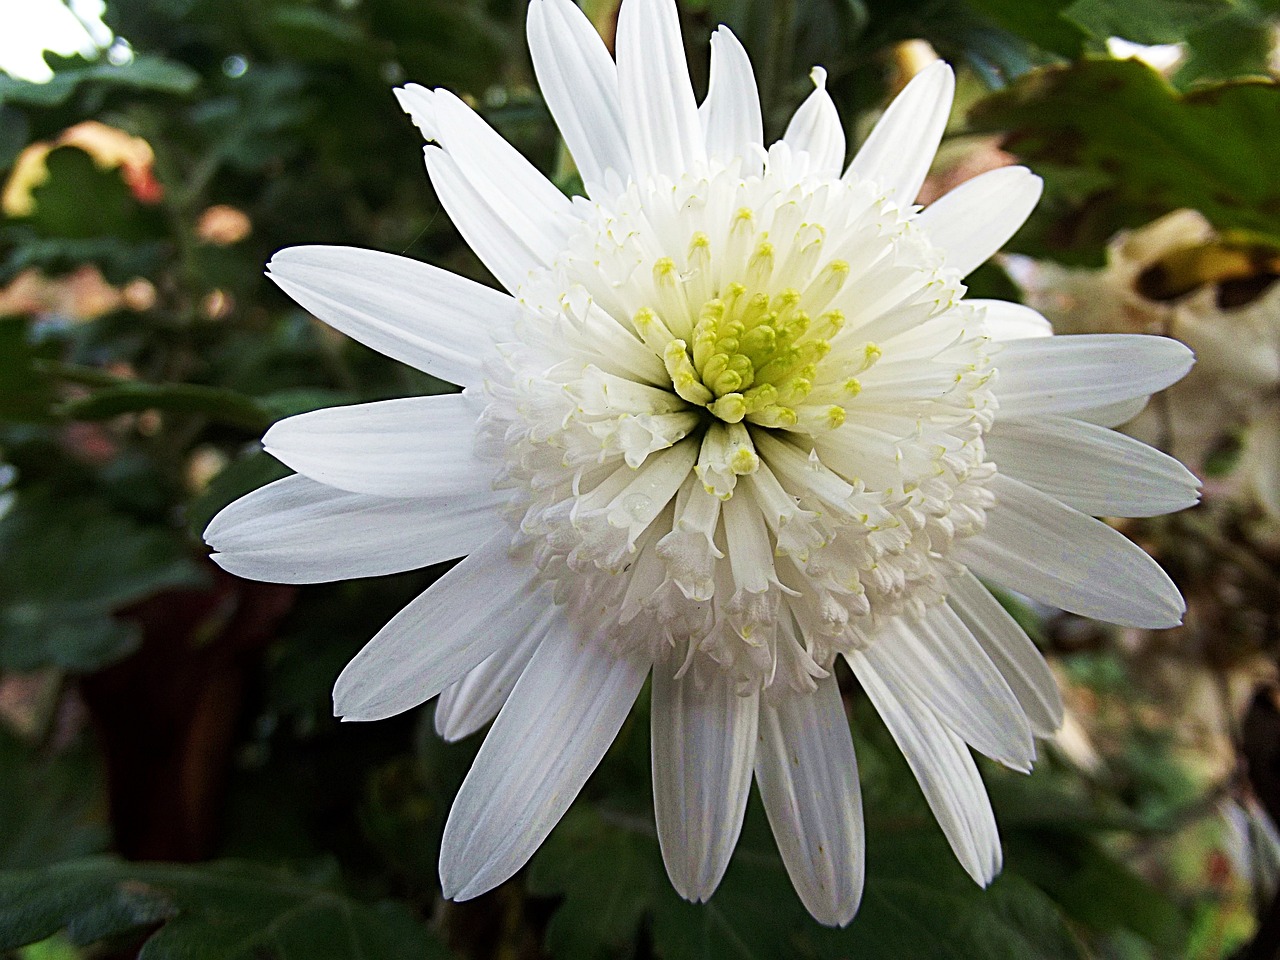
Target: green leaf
1039,21
1118,147
65,567
219,405
607,877
918,903
1145,21
1097,890
144,72
52,809
215,911
25,394
1237,45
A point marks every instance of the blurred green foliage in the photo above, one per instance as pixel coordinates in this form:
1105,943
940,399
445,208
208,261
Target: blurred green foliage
124,427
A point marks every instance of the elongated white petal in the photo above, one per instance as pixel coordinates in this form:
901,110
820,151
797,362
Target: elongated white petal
1113,414
978,217
579,80
939,661
431,319
1066,374
1040,547
1011,650
730,115
484,219
483,606
298,531
945,770
808,777
659,112
518,189
414,447
897,154
1096,470
1012,321
704,746
551,734
469,703
815,128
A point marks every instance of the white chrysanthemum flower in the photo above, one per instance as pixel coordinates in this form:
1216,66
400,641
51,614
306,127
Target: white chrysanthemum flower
732,418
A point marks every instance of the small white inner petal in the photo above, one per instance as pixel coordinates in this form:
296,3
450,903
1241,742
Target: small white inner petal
744,417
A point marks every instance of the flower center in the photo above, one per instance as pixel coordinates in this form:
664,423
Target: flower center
743,421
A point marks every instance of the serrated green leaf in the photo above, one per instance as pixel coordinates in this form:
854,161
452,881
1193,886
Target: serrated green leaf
65,567
215,911
1118,146
918,903
1145,21
1237,45
606,875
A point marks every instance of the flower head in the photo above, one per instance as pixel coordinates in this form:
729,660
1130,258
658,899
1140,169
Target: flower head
732,418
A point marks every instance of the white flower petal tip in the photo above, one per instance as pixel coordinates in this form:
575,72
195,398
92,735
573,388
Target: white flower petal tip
433,320
482,607
417,102
391,448
1048,375
815,129
808,779
703,744
550,735
898,153
730,115
1044,549
977,218
284,532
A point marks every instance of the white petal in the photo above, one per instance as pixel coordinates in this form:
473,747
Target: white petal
816,129
939,661
945,770
484,219
808,777
550,735
482,606
978,217
538,208
1096,470
1066,374
298,531
704,744
1113,414
659,112
468,704
1037,546
897,154
579,80
1012,321
415,447
730,115
431,319
1011,650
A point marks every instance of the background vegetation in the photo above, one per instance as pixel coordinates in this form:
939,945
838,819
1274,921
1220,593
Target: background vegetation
172,785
